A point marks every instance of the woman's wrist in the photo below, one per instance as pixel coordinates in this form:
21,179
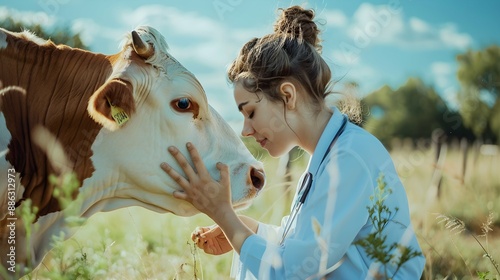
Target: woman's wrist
234,228
222,213
251,223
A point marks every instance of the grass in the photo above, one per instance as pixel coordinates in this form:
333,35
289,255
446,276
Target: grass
451,254
134,243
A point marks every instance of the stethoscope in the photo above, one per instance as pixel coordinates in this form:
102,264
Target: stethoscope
307,183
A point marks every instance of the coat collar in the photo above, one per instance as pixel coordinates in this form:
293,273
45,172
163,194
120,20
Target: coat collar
329,132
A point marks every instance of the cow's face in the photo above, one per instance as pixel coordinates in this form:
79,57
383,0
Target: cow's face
160,104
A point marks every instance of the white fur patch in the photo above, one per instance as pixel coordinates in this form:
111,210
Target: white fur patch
28,35
3,40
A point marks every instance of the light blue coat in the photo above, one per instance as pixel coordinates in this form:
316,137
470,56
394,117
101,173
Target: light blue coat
334,215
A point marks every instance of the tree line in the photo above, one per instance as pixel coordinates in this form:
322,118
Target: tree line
58,34
415,110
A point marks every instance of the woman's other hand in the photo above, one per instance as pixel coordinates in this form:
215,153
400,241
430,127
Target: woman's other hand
211,240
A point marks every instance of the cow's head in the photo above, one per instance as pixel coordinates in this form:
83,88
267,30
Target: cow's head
149,103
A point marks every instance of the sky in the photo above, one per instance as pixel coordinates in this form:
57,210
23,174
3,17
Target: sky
373,43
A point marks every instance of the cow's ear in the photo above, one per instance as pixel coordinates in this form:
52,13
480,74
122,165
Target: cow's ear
112,104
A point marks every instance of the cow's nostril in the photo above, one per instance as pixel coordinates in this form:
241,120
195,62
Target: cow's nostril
258,178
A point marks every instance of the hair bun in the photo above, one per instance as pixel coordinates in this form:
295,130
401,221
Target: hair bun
298,23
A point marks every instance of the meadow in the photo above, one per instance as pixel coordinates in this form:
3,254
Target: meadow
455,226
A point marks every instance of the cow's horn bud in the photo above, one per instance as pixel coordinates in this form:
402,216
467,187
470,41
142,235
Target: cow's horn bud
142,48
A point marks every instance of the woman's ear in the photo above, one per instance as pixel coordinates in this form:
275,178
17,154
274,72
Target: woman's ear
289,94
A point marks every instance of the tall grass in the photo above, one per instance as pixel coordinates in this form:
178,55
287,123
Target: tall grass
134,243
453,254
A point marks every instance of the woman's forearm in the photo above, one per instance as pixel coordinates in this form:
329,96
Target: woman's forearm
251,223
237,229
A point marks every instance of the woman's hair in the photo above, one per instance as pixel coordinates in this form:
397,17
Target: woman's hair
292,53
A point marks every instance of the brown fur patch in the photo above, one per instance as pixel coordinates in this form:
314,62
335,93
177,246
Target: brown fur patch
58,84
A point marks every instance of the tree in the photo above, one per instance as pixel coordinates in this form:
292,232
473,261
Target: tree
479,75
58,35
413,111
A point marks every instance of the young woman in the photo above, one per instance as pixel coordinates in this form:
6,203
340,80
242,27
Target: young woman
280,84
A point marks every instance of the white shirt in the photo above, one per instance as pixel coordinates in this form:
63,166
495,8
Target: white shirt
336,208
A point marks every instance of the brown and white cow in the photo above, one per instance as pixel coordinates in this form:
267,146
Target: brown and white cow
114,117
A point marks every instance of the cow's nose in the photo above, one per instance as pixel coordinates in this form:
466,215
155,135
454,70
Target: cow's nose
258,178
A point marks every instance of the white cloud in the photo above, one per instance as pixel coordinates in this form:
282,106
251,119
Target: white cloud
440,68
375,24
333,18
211,53
346,57
381,24
93,33
172,20
419,26
450,37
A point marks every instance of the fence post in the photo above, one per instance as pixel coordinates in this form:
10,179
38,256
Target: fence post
440,150
464,148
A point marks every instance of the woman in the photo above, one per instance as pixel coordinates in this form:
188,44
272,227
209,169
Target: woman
280,84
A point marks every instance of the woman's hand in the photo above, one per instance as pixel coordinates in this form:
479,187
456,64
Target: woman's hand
211,240
199,188
208,195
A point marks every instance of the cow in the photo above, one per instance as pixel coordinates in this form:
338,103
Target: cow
110,119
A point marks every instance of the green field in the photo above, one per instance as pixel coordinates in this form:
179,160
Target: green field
135,243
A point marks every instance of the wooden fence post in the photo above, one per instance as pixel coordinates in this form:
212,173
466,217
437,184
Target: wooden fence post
464,148
440,150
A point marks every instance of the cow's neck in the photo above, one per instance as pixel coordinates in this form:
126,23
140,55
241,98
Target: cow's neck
58,84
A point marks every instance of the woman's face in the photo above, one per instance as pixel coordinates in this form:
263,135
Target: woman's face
265,121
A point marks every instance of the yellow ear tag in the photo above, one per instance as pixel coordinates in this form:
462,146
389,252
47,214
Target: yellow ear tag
118,114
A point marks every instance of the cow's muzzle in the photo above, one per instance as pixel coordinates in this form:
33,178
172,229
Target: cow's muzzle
257,177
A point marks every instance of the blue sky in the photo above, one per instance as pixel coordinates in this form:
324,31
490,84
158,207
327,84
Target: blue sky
370,42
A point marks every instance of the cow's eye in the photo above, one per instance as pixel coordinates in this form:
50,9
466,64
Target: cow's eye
183,103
